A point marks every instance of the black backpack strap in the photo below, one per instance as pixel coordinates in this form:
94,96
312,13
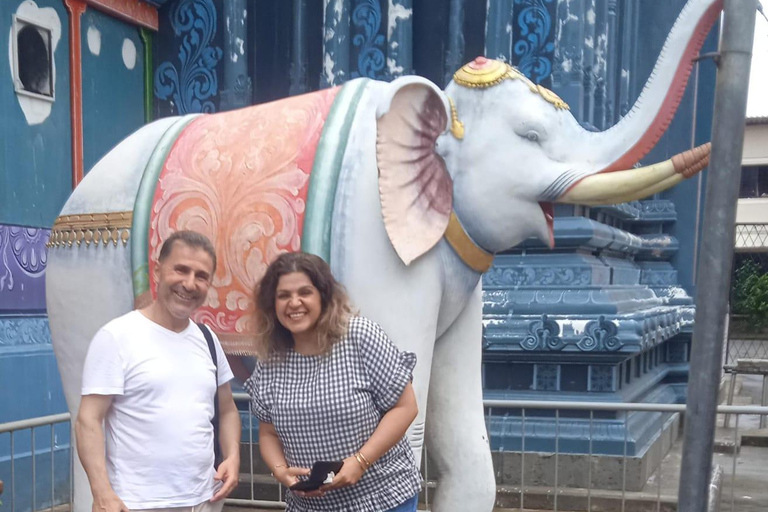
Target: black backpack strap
215,420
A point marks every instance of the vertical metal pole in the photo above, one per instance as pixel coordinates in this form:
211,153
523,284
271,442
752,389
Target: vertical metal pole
733,457
591,461
522,461
426,478
53,471
716,251
13,477
557,453
250,451
34,469
624,463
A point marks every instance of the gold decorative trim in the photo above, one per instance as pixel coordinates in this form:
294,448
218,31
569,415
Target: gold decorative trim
91,228
477,258
552,98
457,127
483,73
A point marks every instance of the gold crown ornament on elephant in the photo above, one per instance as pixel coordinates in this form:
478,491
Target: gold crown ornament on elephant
405,189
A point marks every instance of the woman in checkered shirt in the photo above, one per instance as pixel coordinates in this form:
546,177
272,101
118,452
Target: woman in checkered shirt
328,386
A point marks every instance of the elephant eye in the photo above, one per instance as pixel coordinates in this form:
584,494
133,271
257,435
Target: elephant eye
532,136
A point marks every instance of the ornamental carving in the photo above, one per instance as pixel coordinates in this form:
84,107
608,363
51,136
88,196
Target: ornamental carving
191,86
534,45
367,18
543,334
530,276
600,335
24,331
91,229
22,252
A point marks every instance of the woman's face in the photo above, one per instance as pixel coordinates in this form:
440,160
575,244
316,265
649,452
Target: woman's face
297,303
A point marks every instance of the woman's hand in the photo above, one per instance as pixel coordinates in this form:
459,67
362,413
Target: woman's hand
289,476
351,473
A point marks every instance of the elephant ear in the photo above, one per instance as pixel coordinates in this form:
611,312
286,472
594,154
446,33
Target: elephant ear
415,187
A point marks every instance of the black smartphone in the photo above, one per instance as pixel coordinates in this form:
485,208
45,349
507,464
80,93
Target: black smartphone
321,471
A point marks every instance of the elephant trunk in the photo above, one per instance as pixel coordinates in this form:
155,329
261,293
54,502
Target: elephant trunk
633,137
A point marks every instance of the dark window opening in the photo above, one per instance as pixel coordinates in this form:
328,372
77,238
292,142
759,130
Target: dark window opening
754,181
33,59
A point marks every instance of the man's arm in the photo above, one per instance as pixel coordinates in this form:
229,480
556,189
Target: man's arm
229,439
89,432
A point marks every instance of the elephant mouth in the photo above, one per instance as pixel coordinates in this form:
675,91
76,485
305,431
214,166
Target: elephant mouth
548,209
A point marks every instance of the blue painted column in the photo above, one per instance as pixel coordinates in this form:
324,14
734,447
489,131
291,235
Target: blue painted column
299,82
567,74
612,61
588,63
454,57
400,38
601,62
627,90
236,89
498,30
335,43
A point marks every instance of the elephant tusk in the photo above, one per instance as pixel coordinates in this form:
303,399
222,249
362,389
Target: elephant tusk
641,194
622,186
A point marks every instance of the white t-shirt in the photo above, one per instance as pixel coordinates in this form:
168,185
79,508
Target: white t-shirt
159,438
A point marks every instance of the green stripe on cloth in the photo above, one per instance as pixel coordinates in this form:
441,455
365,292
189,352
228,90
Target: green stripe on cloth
142,208
318,219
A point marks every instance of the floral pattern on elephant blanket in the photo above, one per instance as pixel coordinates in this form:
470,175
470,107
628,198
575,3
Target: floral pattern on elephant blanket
241,178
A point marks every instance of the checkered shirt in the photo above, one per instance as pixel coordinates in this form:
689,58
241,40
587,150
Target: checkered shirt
326,407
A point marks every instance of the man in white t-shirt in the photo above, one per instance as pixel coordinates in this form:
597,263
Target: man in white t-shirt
149,385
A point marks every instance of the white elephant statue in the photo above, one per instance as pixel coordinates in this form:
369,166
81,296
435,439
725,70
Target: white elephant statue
407,191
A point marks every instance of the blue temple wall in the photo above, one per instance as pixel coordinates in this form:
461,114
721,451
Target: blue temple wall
35,177
113,92
35,182
618,287
607,315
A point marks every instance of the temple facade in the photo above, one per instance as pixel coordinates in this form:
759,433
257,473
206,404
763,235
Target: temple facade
605,316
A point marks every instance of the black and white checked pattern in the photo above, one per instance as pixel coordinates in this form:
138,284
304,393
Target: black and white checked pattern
326,407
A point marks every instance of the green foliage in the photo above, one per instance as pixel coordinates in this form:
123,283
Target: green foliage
750,294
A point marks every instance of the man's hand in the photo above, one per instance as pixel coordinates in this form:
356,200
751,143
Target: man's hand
228,475
108,502
349,474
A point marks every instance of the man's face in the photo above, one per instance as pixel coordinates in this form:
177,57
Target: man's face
183,279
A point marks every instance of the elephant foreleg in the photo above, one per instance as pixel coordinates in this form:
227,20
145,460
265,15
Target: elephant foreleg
457,440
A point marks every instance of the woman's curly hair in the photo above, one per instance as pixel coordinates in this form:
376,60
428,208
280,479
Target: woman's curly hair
272,339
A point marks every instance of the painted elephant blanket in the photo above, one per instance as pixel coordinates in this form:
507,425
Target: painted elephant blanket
246,179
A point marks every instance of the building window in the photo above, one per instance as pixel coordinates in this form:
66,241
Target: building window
32,59
754,181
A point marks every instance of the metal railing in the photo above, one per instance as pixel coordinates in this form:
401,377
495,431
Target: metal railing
259,489
13,429
554,496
